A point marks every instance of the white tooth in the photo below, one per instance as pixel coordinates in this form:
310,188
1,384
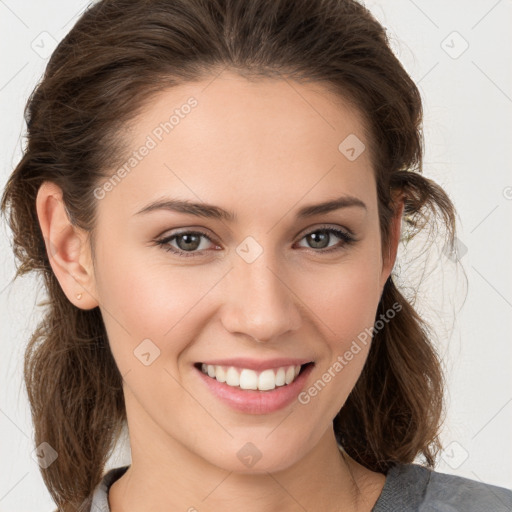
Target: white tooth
290,374
280,377
248,379
204,368
220,374
232,377
266,380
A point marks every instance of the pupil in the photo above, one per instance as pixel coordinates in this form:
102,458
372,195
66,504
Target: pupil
318,238
191,242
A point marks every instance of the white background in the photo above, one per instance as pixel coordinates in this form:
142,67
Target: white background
468,105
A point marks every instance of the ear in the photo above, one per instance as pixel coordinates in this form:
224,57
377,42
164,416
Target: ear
389,254
67,247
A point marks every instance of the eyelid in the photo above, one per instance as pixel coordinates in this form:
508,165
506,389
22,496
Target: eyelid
319,227
164,241
167,235
345,235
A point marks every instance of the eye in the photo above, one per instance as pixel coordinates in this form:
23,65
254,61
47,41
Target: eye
188,243
320,238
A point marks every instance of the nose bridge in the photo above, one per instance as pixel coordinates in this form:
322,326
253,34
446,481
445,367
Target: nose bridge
260,302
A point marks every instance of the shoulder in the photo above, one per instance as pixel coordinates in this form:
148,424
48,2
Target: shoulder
411,487
458,493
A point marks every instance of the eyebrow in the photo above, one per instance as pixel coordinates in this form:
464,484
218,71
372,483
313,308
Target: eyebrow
215,212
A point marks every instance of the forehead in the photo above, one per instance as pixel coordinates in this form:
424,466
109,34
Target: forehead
227,139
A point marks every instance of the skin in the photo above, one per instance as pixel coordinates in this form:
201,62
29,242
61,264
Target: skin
263,150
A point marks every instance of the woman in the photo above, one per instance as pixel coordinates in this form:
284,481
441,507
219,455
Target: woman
214,193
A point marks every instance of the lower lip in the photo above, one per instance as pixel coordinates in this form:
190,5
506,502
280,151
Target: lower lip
252,401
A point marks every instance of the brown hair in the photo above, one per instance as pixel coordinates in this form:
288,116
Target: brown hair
121,52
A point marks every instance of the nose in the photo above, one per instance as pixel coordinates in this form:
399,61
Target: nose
260,302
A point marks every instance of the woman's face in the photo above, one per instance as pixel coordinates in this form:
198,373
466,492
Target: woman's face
267,286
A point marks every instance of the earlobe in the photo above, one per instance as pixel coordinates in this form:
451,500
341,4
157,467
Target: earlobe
66,246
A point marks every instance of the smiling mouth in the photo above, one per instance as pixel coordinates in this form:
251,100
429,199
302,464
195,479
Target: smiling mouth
245,378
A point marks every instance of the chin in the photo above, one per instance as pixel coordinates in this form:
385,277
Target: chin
257,457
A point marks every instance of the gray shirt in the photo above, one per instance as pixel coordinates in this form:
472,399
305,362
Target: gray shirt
408,488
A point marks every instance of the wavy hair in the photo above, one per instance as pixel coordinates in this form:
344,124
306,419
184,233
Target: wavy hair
116,57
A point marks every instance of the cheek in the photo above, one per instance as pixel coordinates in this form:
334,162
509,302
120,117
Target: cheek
142,301
345,296
344,301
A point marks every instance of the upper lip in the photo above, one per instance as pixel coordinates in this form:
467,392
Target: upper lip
258,364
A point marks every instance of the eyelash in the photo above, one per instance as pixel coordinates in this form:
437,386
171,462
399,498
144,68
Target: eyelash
346,237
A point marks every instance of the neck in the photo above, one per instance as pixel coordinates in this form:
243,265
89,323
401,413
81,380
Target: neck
165,475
